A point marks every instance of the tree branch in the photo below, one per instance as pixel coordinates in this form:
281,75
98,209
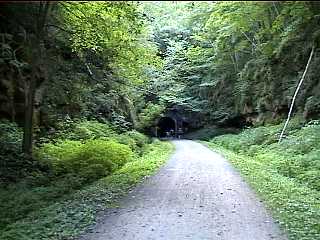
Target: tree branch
253,44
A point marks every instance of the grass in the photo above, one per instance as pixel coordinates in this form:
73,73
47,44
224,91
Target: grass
72,214
285,176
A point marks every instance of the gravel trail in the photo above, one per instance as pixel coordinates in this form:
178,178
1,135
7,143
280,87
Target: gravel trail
196,195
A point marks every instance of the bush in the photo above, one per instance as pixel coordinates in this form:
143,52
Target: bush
127,140
304,168
140,139
56,155
29,213
135,140
107,155
90,160
82,131
92,130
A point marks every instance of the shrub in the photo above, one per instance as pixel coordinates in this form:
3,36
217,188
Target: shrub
92,130
140,139
58,155
90,160
110,154
82,131
135,140
127,140
29,213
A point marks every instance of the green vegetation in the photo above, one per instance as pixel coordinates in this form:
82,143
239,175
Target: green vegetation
285,175
73,61
63,165
59,210
127,63
91,160
231,63
82,84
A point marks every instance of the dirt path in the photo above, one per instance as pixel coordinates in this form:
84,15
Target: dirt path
196,195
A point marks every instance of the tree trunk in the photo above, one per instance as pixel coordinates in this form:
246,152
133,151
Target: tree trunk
28,120
36,61
30,98
295,95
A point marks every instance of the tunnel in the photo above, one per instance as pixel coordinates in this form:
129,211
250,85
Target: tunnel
166,124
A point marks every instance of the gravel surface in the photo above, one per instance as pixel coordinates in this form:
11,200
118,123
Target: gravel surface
196,195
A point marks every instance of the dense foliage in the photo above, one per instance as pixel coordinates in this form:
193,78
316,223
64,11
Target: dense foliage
233,61
75,62
81,83
94,63
126,63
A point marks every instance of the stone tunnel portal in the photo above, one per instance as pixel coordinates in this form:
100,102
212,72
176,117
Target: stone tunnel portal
166,127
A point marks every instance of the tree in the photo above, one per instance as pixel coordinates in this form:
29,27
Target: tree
116,34
29,20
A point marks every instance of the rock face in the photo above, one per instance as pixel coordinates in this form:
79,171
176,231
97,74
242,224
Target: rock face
11,96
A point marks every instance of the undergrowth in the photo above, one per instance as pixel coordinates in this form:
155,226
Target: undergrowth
73,213
285,175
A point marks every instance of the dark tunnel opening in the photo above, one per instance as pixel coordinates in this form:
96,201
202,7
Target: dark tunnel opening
166,127
185,126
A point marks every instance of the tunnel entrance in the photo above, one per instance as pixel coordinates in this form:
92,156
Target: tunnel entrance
185,126
166,127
